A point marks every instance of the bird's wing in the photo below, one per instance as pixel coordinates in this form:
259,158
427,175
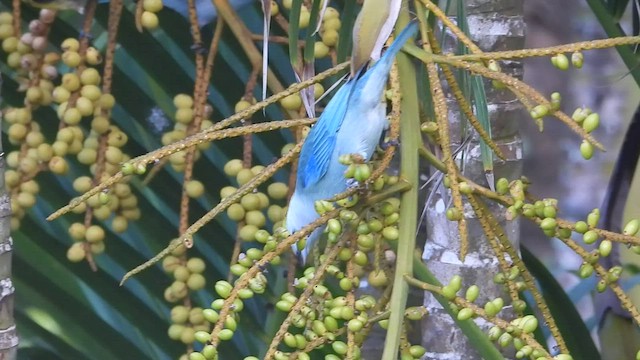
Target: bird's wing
321,140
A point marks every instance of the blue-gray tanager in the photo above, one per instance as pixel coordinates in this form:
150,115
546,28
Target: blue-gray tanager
352,123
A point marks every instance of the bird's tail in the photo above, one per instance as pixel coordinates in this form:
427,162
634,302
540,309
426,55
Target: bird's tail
387,58
372,83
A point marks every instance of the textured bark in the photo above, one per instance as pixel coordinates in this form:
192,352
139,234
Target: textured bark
495,25
8,335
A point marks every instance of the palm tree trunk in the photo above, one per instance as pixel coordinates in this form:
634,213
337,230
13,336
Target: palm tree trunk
494,25
8,335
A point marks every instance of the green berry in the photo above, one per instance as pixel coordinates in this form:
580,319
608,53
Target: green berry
548,224
539,111
560,61
465,314
591,122
605,247
225,334
581,227
577,59
632,227
203,336
472,293
586,270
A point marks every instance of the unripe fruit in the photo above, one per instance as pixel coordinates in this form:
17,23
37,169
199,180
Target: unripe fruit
632,227
320,50
548,224
256,218
560,61
152,5
236,212
194,189
586,150
233,167
277,191
248,232
591,122
605,247
539,111
196,282
76,252
292,102
472,293
330,37
150,21
378,278
577,59
590,237
465,314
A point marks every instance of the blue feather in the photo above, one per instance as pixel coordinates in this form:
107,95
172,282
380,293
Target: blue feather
352,123
318,147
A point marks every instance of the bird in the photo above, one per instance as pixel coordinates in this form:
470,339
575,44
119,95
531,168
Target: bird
206,11
351,123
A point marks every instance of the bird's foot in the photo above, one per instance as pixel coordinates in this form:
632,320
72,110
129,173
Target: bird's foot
199,48
384,145
85,35
357,158
352,183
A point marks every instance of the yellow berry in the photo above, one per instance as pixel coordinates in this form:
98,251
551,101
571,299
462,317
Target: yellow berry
184,115
183,101
107,101
17,132
244,175
152,5
275,10
119,224
70,82
330,38
305,18
233,167
100,124
318,90
34,95
85,106
278,190
236,212
194,189
60,94
94,234
93,56
71,58
76,252
320,50
292,102
149,20
70,44
255,217
58,165
90,76
331,13
6,31
332,24
91,92
242,105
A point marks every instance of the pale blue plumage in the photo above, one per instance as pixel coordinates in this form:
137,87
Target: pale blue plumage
352,123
